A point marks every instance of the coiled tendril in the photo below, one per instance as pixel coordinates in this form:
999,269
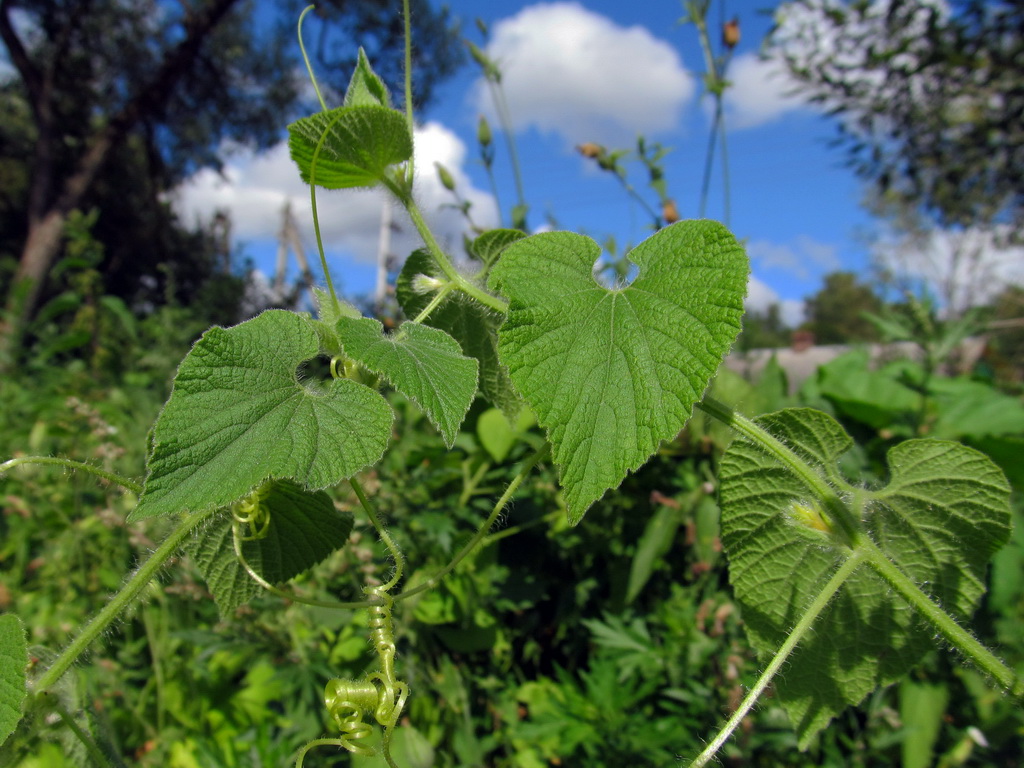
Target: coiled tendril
349,701
252,514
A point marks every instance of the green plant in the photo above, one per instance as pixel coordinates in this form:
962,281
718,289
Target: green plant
847,585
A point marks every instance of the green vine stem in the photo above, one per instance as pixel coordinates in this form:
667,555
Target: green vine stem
396,553
90,746
305,58
300,756
457,279
124,482
316,217
868,551
838,512
483,530
435,302
409,118
956,635
284,594
121,600
799,632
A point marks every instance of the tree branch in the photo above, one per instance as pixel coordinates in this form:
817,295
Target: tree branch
30,75
147,101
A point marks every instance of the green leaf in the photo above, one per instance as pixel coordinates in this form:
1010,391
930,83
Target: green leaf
497,436
489,246
366,88
939,520
238,414
13,663
974,410
611,373
471,324
331,310
304,529
656,540
922,708
424,364
359,145
871,397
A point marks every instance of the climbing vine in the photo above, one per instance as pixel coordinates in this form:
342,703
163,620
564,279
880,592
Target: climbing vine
828,574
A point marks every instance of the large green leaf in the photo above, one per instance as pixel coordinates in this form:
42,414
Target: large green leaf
424,364
240,414
359,144
610,373
872,397
13,663
303,529
942,516
473,325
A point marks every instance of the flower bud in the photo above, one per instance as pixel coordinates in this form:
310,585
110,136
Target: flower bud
445,176
483,132
731,33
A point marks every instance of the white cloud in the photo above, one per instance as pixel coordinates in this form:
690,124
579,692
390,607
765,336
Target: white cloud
804,258
253,189
760,296
570,71
760,92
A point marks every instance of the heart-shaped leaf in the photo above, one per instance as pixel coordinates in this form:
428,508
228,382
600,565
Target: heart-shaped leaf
359,144
239,414
303,529
610,373
424,364
940,519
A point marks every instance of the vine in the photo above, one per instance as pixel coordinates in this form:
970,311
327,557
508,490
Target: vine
245,447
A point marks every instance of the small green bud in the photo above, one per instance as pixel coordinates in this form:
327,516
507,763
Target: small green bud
425,284
483,132
445,176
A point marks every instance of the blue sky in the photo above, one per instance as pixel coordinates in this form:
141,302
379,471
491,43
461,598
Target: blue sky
595,70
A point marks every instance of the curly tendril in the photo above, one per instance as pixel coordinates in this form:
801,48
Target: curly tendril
349,701
251,513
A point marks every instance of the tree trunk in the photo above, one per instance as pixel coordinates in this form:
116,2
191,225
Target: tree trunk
47,217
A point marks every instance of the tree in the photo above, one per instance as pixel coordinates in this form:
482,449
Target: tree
928,95
835,313
172,81
1007,332
764,330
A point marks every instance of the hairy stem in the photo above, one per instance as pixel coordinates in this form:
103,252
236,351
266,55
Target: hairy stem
457,279
396,553
124,482
98,758
435,302
837,510
956,635
121,600
799,632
